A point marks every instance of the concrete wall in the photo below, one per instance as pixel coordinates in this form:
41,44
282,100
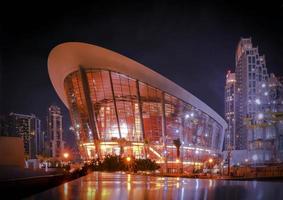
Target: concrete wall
12,152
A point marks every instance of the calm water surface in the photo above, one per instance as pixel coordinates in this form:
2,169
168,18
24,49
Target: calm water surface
115,186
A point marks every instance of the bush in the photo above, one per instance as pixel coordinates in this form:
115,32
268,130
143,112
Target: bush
113,163
117,163
145,165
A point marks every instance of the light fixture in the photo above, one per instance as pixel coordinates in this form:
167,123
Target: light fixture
260,116
257,101
66,155
254,157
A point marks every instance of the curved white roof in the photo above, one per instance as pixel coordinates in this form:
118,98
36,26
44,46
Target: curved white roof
67,57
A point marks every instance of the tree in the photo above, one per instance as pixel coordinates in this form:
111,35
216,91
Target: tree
145,165
113,163
122,143
177,144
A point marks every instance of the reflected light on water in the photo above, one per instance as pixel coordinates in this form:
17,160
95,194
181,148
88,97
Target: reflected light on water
182,193
100,185
90,190
254,184
210,183
197,184
66,191
128,182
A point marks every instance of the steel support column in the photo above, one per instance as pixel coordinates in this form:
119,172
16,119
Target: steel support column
164,135
140,109
140,112
115,105
91,115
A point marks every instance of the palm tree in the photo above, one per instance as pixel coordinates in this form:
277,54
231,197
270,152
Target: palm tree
97,148
122,142
177,144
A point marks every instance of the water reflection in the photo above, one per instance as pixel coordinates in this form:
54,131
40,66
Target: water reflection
65,190
127,186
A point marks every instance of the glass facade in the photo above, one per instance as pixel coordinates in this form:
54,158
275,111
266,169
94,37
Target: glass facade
117,110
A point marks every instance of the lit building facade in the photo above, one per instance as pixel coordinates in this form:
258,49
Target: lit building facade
5,126
256,107
29,128
250,73
118,106
54,139
265,130
230,137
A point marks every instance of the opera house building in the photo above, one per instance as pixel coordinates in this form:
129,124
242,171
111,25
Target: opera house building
118,106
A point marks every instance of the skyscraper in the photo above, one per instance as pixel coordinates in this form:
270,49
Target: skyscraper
54,139
250,73
29,128
5,127
254,107
230,110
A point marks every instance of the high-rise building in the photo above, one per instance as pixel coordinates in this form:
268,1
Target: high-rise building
5,126
230,110
265,130
54,139
29,128
254,107
250,73
39,136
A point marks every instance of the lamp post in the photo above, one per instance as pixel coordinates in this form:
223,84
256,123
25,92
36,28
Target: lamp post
177,144
128,160
210,161
246,166
66,155
65,160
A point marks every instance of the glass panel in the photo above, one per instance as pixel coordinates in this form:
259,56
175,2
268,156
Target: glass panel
76,101
152,112
196,130
103,104
127,107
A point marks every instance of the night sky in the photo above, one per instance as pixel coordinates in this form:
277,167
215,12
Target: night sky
193,44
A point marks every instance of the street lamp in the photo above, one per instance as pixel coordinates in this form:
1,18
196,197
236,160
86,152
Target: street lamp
210,161
66,155
65,160
128,160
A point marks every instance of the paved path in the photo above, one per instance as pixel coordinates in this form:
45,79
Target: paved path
116,186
